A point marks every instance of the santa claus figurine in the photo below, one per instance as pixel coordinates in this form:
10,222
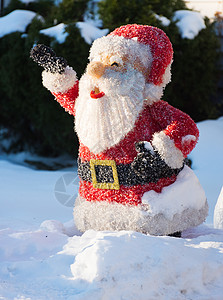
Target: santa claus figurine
132,144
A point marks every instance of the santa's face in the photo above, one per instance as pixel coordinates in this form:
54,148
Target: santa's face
111,96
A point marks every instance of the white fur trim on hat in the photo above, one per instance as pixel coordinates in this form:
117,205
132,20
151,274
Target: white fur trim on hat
120,46
157,216
167,150
59,83
154,92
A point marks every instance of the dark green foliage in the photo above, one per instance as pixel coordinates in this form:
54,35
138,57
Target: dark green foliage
115,13
69,11
75,50
34,120
42,7
167,7
28,110
194,74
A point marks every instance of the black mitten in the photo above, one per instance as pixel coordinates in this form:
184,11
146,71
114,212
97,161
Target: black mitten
46,58
149,165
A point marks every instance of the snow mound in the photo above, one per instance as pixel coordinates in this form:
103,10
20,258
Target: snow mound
218,212
42,265
207,161
57,32
190,23
130,265
89,32
17,20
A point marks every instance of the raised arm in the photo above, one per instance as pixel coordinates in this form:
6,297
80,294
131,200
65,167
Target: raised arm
57,77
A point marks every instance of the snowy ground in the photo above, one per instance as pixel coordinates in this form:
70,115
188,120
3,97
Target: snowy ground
43,256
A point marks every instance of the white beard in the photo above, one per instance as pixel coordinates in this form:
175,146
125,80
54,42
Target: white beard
104,122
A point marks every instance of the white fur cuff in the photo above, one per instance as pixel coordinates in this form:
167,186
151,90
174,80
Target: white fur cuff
167,150
59,83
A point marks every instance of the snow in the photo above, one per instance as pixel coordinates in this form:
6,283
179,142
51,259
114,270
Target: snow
190,23
58,32
43,256
208,162
164,21
218,212
17,20
206,7
90,32
28,1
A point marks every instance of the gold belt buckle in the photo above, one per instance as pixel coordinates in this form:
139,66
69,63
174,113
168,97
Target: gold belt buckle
104,185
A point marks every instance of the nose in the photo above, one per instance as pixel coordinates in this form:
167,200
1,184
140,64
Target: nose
95,69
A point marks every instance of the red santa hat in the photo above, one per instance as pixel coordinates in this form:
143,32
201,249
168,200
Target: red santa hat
150,45
159,46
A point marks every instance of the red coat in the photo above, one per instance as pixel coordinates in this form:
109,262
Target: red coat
159,116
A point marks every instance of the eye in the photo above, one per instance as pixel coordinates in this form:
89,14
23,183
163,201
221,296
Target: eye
116,61
114,64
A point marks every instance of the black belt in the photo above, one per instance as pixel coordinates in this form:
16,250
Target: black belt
105,174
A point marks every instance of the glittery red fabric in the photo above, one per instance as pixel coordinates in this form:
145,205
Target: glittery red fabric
130,195
159,116
67,99
154,118
159,43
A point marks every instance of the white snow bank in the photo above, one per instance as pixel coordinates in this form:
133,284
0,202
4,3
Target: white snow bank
207,161
190,23
130,265
58,32
164,21
27,196
41,265
89,32
17,20
39,262
218,212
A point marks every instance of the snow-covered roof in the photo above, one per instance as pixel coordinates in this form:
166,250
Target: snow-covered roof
17,20
90,32
190,23
58,32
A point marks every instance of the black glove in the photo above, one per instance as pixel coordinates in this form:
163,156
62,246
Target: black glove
149,165
46,58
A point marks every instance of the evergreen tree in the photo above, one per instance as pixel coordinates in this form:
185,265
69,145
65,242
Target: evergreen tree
115,13
69,11
34,120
